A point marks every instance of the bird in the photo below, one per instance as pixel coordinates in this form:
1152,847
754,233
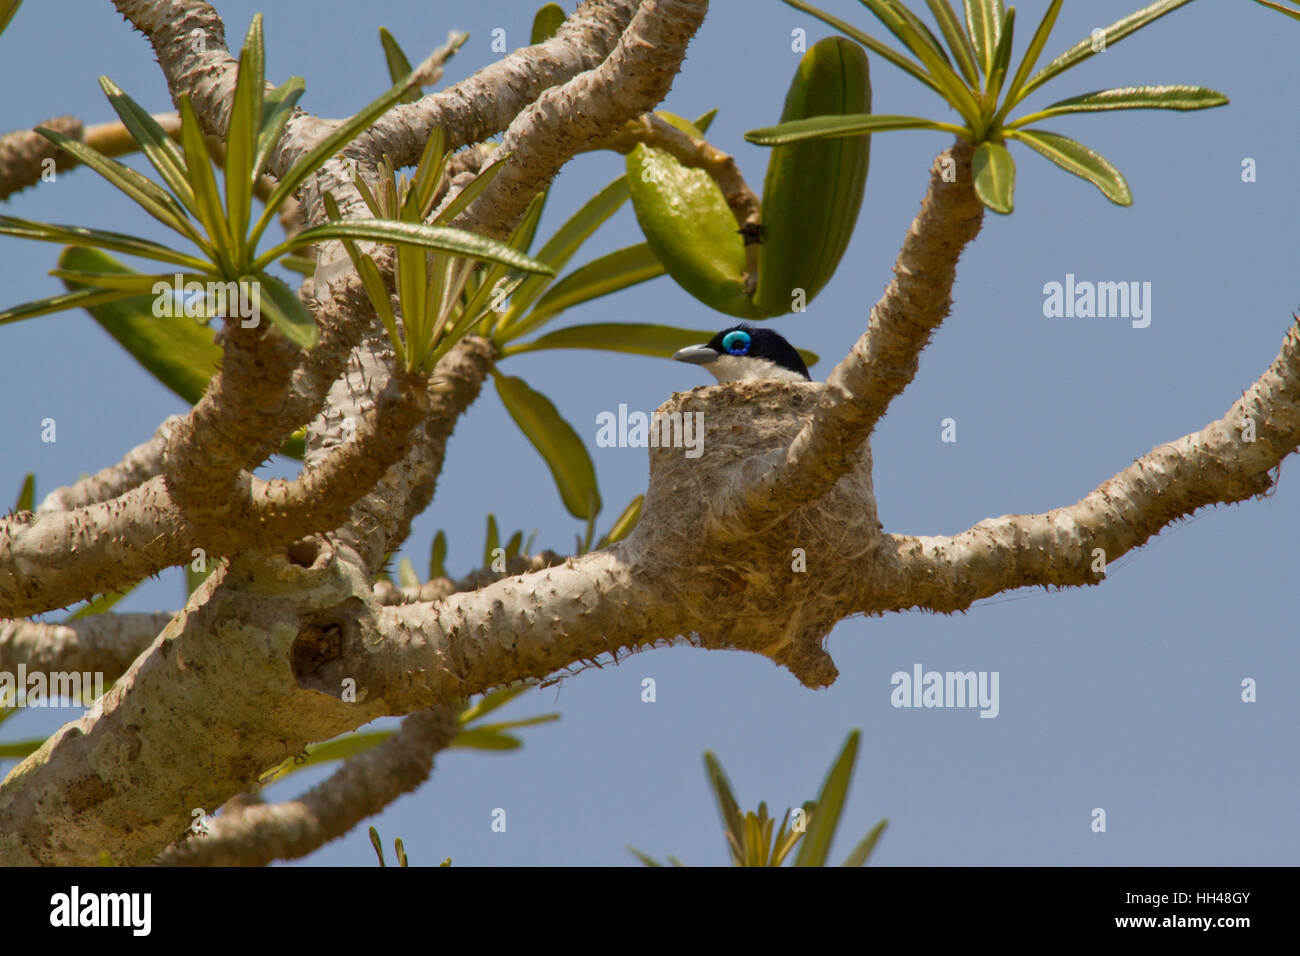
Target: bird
743,353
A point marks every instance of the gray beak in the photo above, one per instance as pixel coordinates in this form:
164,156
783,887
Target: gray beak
696,355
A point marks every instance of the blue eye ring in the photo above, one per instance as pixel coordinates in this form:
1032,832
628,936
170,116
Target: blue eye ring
736,342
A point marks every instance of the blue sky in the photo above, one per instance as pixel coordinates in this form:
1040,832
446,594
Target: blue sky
1125,697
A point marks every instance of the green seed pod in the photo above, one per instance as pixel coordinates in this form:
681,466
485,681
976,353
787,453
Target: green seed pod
689,226
813,190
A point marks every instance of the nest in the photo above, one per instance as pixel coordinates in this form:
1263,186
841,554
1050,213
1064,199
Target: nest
783,587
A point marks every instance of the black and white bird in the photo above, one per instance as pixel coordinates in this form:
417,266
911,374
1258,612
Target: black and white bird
743,353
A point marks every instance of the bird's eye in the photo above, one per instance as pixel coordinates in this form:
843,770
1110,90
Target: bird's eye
736,343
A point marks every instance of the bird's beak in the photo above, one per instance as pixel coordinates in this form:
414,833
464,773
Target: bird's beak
696,355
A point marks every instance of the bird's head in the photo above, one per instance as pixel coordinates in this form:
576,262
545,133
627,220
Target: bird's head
743,353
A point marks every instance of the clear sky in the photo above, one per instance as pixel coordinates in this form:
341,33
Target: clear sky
1125,697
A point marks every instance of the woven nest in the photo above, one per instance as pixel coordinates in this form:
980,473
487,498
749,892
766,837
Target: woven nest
778,601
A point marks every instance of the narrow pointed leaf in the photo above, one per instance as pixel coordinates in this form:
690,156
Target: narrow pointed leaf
517,724
492,700
438,557
560,248
546,22
830,804
177,351
27,493
326,148
485,740
921,30
951,86
1295,15
456,241
863,850
1027,63
277,108
116,241
557,443
471,191
1130,98
147,194
157,146
995,177
727,805
1076,158
406,576
705,120
870,42
199,169
955,34
853,124
241,134
610,273
137,283
637,339
279,303
58,303
625,522
492,541
398,65
983,19
1110,36
1002,55
514,544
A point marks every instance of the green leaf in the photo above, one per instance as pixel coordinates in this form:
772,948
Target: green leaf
513,546
1130,98
957,93
625,522
870,42
647,860
1030,59
485,740
154,142
958,41
147,194
1076,158
438,557
27,493
340,748
921,30
853,124
327,147
516,724
277,108
830,804
137,283
177,351
471,191
610,273
98,605
398,65
984,21
58,303
285,310
198,168
1267,3
406,576
1110,36
456,241
7,10
1002,55
242,133
557,443
548,19
727,805
491,701
995,177
117,241
193,579
493,540
660,341
863,850
560,248
20,749
705,120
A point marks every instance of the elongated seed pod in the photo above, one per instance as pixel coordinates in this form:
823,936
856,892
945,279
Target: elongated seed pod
813,190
